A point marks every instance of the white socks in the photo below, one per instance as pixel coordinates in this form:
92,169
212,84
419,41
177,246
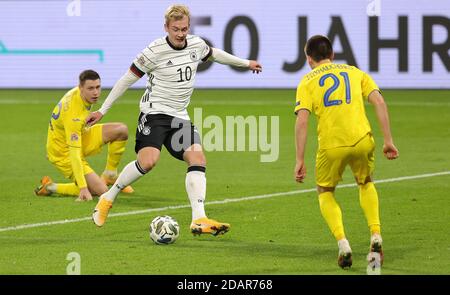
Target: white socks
51,188
376,238
196,190
195,186
344,246
132,172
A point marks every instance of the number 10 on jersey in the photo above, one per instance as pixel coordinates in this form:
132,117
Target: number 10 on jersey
187,74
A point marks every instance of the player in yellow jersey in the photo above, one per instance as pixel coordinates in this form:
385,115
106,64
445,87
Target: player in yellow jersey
69,141
336,94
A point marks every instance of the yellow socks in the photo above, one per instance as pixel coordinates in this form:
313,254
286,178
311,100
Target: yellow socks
115,151
332,214
368,198
70,189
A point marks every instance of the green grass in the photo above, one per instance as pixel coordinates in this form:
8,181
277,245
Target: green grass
277,235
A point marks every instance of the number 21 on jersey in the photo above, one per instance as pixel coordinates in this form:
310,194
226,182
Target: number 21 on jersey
326,98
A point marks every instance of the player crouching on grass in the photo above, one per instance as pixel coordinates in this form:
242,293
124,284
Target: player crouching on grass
69,141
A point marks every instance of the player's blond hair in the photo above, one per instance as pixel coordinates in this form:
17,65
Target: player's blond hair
177,12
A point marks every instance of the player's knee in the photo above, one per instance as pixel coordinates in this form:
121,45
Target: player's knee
115,132
98,190
122,132
196,159
147,158
201,160
323,189
147,164
363,182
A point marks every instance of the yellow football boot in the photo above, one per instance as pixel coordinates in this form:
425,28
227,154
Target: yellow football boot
101,211
42,189
209,226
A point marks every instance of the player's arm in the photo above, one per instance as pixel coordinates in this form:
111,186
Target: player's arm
371,91
303,107
77,168
225,58
78,172
142,64
301,133
128,79
73,127
381,111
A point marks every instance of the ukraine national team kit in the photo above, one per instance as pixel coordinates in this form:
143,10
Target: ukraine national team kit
336,93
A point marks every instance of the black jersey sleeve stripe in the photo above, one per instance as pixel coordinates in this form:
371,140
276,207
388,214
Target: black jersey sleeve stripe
136,71
208,55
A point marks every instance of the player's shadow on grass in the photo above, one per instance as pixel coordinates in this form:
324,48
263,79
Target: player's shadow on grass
299,255
58,196
265,248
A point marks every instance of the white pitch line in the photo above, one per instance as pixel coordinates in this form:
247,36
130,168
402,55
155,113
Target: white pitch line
225,201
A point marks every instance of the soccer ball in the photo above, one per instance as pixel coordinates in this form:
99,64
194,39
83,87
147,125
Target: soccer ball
164,230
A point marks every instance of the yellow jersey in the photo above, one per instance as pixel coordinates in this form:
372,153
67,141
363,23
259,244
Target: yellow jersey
67,124
65,130
336,94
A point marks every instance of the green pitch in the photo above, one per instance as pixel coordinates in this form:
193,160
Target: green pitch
277,234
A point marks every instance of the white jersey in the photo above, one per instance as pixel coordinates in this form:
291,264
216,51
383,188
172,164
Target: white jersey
171,75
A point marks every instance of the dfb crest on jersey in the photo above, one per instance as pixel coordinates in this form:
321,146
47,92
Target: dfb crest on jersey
193,55
146,130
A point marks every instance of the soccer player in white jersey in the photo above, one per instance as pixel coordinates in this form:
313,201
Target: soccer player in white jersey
171,65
